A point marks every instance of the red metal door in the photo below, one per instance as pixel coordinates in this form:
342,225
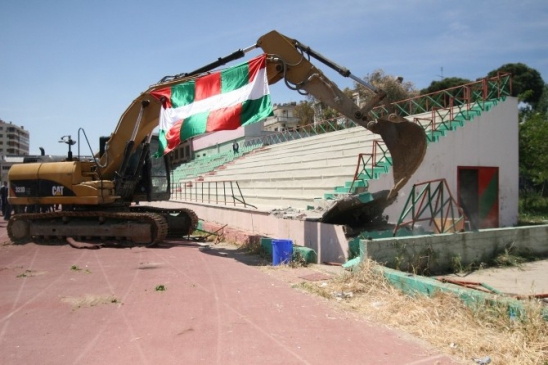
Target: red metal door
478,195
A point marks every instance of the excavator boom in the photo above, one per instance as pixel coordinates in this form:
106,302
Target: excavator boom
289,60
406,141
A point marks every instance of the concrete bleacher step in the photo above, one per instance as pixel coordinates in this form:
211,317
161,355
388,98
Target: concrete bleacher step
291,149
295,173
313,171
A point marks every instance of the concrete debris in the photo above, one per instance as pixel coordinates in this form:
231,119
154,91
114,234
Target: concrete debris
296,214
355,212
483,361
343,295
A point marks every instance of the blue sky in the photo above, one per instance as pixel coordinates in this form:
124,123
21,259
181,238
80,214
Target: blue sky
70,64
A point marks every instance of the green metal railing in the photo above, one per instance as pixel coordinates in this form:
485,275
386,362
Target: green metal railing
367,162
300,132
463,96
444,107
210,192
432,201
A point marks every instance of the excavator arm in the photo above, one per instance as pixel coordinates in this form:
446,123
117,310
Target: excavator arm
290,60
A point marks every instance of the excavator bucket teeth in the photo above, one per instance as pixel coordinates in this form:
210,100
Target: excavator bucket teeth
407,144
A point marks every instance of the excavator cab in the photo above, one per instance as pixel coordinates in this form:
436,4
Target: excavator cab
155,182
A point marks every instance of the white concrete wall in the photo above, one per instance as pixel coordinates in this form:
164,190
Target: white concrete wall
489,140
217,138
440,253
199,143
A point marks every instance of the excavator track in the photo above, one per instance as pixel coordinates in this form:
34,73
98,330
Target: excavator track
137,228
181,221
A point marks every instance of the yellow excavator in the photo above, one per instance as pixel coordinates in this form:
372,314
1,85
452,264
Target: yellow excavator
97,195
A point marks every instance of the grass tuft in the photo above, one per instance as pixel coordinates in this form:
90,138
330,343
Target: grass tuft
443,319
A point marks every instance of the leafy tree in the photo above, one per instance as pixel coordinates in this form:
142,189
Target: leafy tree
542,106
305,112
323,111
329,113
395,89
527,84
533,149
444,84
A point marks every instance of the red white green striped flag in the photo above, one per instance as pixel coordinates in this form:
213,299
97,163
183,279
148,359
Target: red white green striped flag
227,99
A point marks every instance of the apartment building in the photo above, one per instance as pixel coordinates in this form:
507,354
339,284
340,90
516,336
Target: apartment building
14,141
283,118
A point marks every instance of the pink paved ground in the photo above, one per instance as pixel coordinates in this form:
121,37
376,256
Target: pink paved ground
216,310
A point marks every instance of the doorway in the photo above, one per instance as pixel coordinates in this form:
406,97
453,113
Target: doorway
478,195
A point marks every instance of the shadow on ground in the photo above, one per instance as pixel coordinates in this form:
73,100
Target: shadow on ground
240,254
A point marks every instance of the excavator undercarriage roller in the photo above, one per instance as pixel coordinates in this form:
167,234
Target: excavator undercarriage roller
135,228
181,221
140,226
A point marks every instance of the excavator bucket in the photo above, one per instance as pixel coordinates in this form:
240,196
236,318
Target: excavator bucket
407,144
